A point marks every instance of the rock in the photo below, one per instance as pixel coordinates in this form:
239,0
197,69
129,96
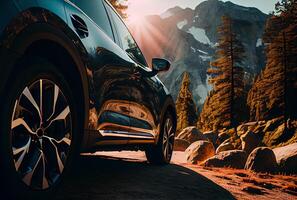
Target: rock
275,137
233,158
253,190
191,134
211,136
262,159
231,131
255,127
251,124
222,137
249,141
272,124
246,126
258,130
225,146
199,151
242,128
286,158
180,144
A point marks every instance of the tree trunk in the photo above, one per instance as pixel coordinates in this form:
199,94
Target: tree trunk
232,81
285,81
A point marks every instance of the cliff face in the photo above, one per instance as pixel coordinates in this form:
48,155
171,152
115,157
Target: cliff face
188,38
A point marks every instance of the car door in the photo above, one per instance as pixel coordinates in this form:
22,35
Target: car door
143,88
109,71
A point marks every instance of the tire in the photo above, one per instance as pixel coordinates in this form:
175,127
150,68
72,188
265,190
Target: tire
35,133
161,153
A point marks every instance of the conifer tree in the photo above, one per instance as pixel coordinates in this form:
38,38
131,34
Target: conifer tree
185,106
225,105
274,92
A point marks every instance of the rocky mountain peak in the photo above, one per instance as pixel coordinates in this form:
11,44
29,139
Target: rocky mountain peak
188,38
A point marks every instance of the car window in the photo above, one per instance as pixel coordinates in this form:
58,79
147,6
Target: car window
96,11
127,41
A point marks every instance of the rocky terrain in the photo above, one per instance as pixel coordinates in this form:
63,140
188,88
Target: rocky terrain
255,146
188,38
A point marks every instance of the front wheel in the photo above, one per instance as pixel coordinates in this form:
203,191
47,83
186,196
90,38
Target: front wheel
39,129
162,152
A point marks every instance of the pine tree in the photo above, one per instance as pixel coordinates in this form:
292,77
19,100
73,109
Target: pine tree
287,11
120,6
274,92
185,106
225,105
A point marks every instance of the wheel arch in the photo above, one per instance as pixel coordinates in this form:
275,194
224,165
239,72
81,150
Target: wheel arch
169,107
56,54
41,33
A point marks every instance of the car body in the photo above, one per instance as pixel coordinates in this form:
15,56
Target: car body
122,103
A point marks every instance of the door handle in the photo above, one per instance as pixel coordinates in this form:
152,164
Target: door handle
80,26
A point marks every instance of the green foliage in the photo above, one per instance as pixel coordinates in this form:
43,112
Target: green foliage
185,106
225,106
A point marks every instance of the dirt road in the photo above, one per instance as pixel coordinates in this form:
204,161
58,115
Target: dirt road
127,175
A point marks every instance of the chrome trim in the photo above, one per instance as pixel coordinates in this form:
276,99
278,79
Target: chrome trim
109,133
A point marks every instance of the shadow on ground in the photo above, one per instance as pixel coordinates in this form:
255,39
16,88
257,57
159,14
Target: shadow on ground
97,177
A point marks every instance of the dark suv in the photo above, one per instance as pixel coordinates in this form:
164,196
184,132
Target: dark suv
74,80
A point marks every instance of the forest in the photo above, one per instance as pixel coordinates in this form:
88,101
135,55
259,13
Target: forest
233,102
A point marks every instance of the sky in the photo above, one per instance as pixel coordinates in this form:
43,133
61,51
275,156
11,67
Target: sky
141,8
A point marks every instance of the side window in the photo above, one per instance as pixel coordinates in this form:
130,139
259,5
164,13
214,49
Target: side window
96,11
126,39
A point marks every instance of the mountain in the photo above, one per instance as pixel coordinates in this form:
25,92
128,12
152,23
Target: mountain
188,38
170,12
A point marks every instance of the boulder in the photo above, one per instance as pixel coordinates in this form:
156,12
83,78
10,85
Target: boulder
262,159
223,136
211,136
242,128
191,134
259,128
246,126
250,141
272,124
181,145
275,137
199,151
286,158
233,159
225,146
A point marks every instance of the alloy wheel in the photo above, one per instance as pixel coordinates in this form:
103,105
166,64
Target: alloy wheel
41,132
168,139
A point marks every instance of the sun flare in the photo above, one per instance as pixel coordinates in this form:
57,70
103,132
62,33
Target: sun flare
136,20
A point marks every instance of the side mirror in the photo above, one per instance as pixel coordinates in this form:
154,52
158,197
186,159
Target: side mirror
160,65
